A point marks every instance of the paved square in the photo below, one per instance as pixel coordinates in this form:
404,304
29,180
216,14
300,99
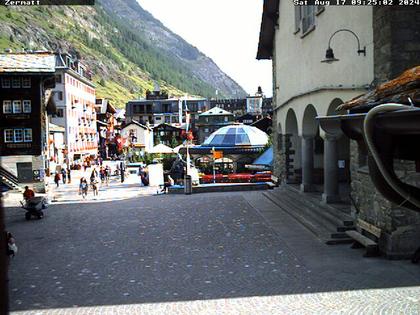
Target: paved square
205,252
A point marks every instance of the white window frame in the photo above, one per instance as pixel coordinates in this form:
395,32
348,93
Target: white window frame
15,132
27,106
7,104
27,135
26,82
17,103
11,136
17,81
5,83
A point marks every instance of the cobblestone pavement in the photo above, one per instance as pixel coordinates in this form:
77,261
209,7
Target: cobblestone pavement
199,254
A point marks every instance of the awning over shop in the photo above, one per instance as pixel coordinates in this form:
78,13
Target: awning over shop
264,161
53,128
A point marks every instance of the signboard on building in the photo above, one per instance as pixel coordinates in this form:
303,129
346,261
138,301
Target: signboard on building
217,155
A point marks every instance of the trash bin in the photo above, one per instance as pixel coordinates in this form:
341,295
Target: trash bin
187,185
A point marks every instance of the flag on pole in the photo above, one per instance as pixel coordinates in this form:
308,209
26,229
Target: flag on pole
187,119
187,114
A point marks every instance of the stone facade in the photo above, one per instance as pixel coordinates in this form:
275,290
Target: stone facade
397,48
400,226
299,99
396,38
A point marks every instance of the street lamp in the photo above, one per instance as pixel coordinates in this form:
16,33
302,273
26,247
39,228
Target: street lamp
329,54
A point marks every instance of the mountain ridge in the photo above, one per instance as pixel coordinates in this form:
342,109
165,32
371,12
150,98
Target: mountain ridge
186,52
126,59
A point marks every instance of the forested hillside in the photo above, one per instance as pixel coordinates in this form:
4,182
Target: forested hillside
124,60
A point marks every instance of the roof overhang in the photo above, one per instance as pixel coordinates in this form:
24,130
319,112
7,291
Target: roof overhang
267,31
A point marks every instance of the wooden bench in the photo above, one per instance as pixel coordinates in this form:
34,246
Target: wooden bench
361,240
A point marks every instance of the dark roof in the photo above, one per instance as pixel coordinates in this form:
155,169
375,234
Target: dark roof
133,122
249,115
216,111
167,127
267,31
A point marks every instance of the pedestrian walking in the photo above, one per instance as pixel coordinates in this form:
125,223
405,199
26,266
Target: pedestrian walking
83,187
63,175
107,174
69,175
93,175
144,177
140,173
94,185
102,174
57,179
122,170
117,171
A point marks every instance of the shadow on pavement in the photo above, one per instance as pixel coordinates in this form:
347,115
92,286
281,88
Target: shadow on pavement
177,248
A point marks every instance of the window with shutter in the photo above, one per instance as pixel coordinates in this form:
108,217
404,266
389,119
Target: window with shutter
8,136
7,107
18,135
319,9
27,108
305,17
308,18
27,135
17,107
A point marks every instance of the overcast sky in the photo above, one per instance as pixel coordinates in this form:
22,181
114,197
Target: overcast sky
227,31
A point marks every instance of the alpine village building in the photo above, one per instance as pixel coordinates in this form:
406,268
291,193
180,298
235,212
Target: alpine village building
361,47
39,89
74,96
26,81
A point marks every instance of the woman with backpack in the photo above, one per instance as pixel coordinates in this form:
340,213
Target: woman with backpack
83,187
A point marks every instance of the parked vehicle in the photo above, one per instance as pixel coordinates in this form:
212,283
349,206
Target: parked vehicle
34,207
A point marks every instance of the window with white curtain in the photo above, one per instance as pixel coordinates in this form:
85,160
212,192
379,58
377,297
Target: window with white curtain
17,107
27,135
8,136
27,107
18,135
7,107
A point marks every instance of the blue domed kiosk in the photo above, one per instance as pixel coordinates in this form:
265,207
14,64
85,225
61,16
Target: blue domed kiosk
240,145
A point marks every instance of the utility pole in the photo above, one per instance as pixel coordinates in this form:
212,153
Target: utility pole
187,122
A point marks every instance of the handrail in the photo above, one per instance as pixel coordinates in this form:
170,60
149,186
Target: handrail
9,176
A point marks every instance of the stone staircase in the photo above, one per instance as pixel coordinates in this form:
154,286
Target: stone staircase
9,180
328,223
